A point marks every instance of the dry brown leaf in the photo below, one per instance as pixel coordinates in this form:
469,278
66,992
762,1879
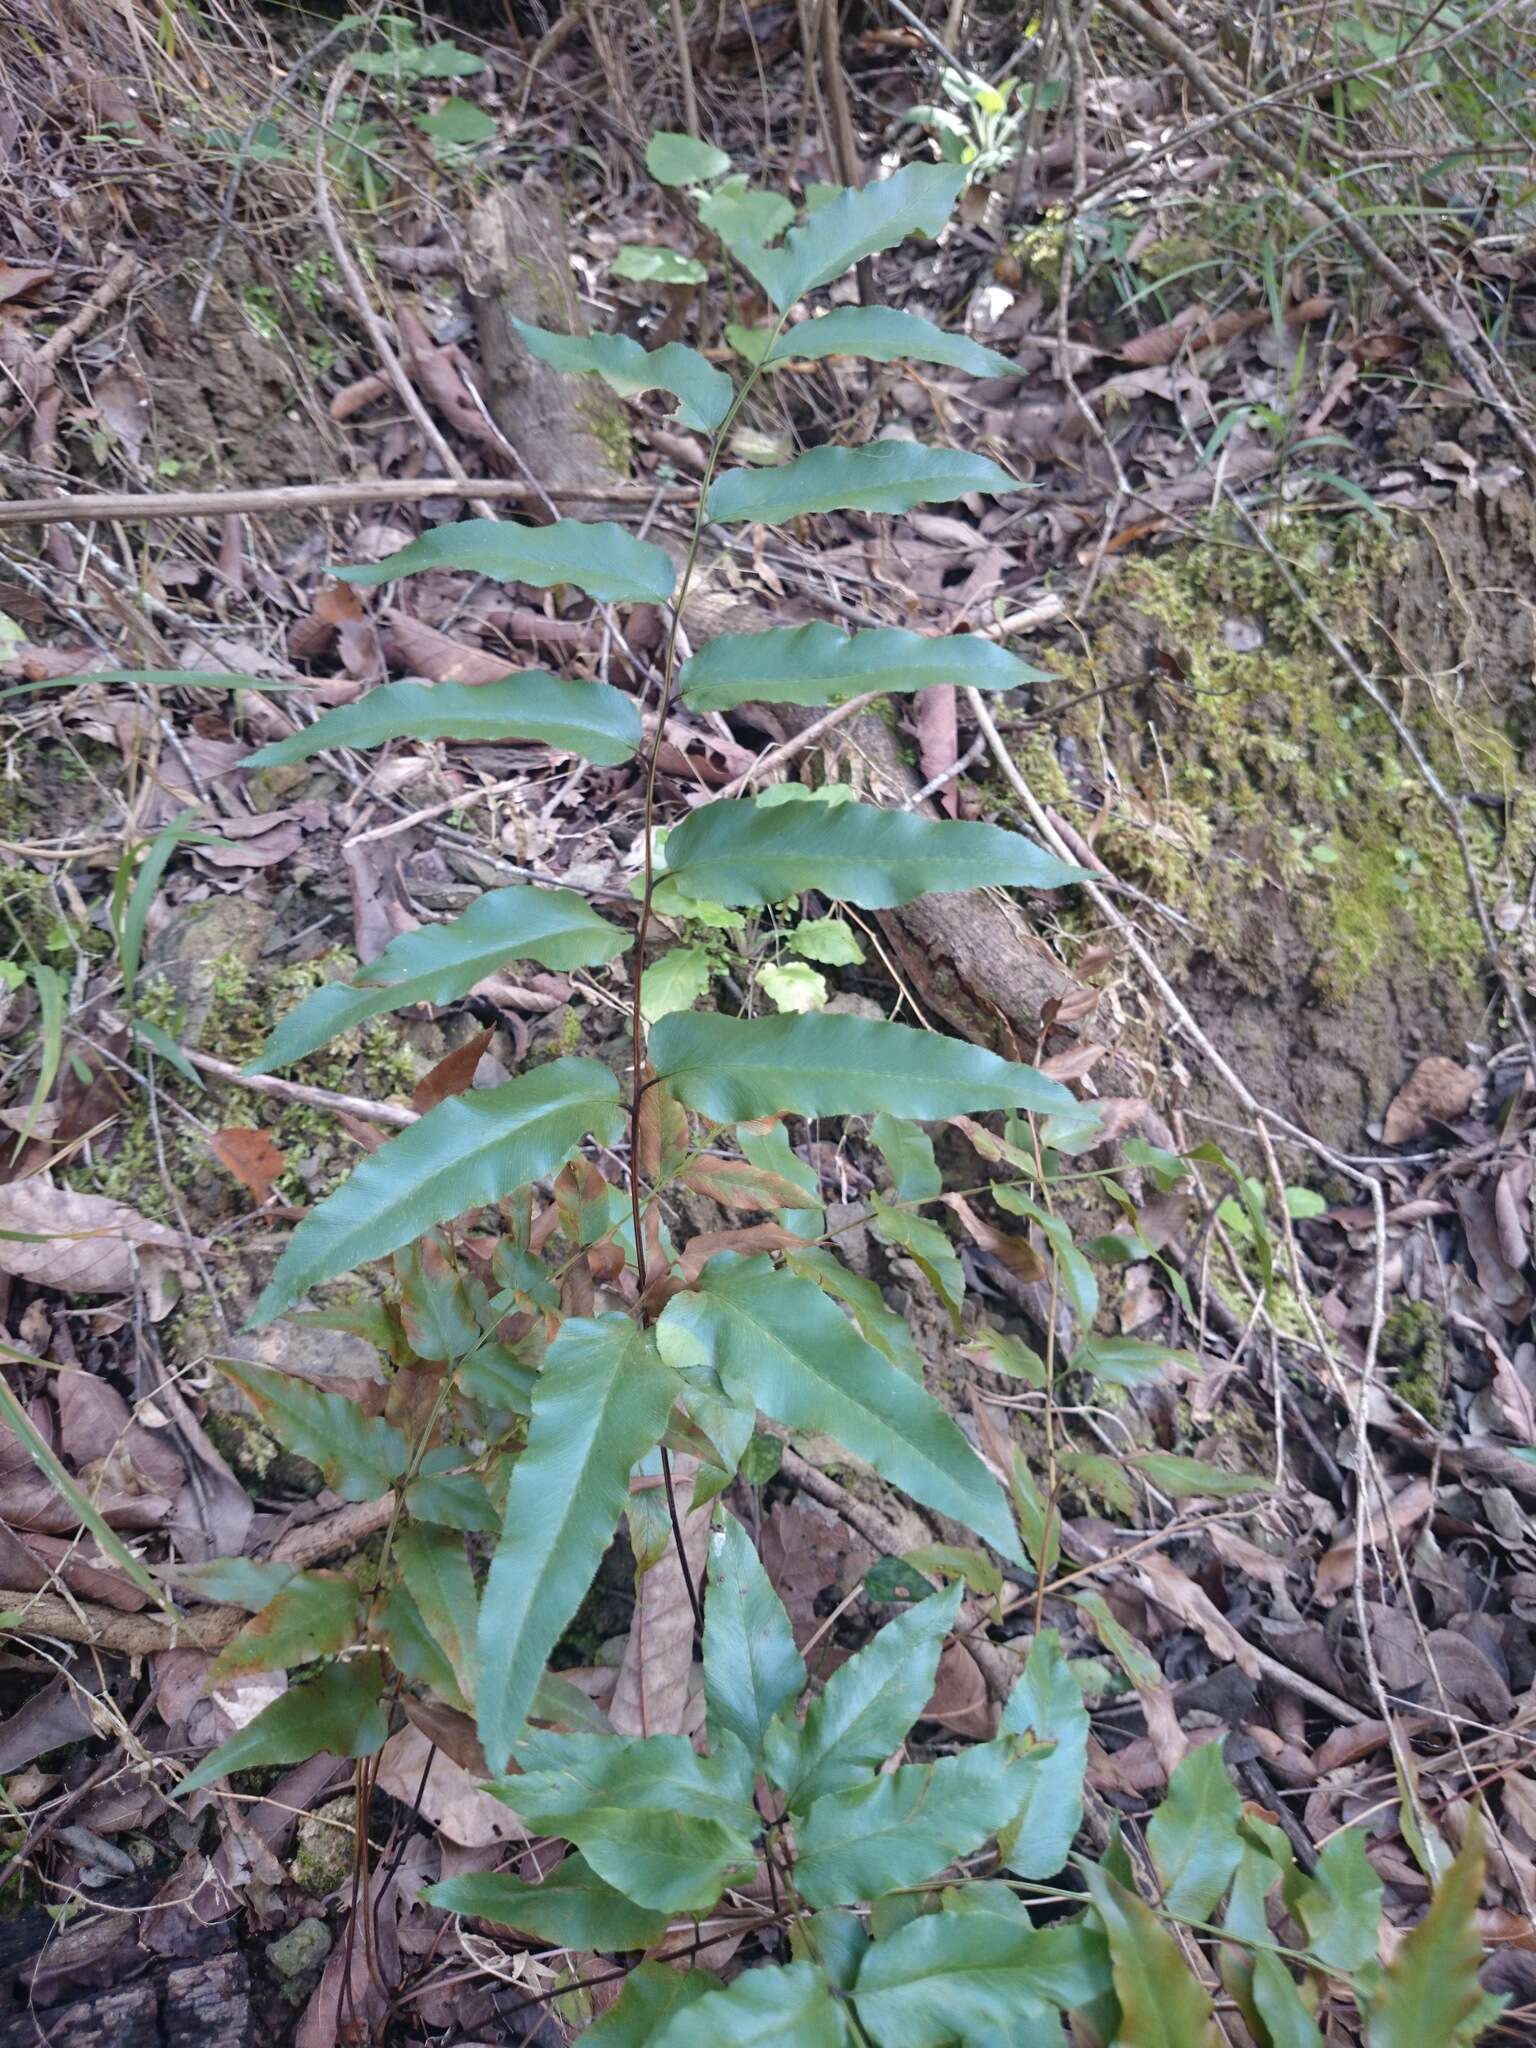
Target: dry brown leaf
1172,1589
425,652
454,1074
735,1184
1437,1091
250,1156
451,1800
122,405
256,842
757,1237
90,1244
1016,1253
938,739
352,2000
960,1699
1336,1572
651,1697
1162,344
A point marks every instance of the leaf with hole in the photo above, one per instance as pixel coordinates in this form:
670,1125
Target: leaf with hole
590,719
737,850
821,664
571,1908
596,556
736,1068
676,159
882,476
778,1343
866,1708
704,392
443,961
360,1455
471,1150
880,334
643,263
857,221
600,1403
337,1710
752,1669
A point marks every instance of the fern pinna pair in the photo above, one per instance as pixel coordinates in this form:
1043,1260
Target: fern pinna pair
511,1421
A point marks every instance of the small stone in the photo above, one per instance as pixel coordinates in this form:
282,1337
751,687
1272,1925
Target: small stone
322,1857
297,1955
1242,635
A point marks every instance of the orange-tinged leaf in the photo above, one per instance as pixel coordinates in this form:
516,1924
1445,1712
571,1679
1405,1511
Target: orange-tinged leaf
735,1184
250,1156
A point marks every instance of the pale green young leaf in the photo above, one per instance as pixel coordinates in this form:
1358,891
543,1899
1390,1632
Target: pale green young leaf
765,2008
315,1614
435,1567
599,1405
459,124
598,557
880,334
866,1707
1429,1991
1193,1834
951,1976
1278,2003
336,1710
907,1151
361,1455
874,1319
571,1908
705,392
1127,1361
880,476
470,1150
752,1669
1036,1838
676,159
778,1343
827,940
907,1826
645,263
1191,1478
740,850
1339,1905
736,1068
794,989
652,1993
675,981
1161,2003
744,216
929,1246
854,223
820,664
593,720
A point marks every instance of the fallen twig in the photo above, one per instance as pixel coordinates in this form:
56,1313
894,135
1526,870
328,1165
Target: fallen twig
300,1091
87,507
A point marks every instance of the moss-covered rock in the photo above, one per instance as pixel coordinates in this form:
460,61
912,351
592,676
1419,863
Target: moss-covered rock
322,1856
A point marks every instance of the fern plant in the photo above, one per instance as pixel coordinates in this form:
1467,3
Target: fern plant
921,1905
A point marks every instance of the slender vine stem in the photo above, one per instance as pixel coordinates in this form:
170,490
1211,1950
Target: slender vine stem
663,711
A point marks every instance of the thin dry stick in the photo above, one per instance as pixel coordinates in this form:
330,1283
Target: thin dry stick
684,67
1466,358
357,291
88,506
300,1091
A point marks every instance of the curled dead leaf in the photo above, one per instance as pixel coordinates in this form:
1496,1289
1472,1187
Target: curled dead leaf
1437,1091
